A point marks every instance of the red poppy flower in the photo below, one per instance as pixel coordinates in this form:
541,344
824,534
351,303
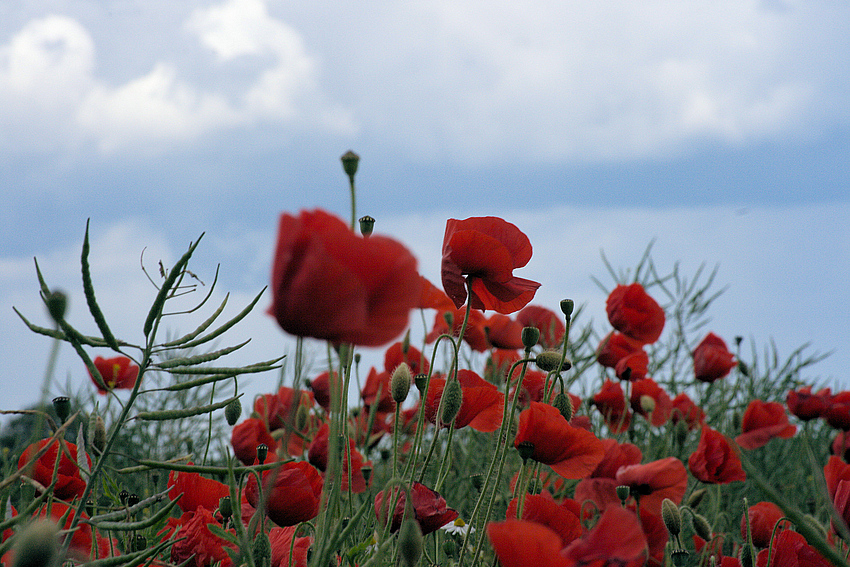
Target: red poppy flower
841,501
633,366
520,543
281,544
789,549
650,401
653,482
81,547
194,538
503,332
486,250
834,472
550,324
432,297
763,517
762,422
474,335
616,540
279,409
396,354
542,509
429,508
318,457
332,284
684,409
69,482
712,360
715,461
196,490
376,391
570,451
533,386
294,496
634,313
321,388
614,347
117,373
806,405
611,403
482,405
838,413
247,435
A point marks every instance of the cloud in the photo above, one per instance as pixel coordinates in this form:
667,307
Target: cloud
52,94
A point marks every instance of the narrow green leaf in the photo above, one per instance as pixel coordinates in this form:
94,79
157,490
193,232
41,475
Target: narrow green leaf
222,533
183,413
203,326
200,358
159,302
88,290
227,325
131,559
141,524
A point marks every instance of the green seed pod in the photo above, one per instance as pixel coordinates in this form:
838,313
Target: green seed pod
450,548
564,404
97,433
680,557
262,452
671,516
400,382
367,225
57,304
233,411
225,506
421,380
409,542
567,306
530,336
37,545
261,549
526,450
452,400
139,543
350,160
62,407
623,492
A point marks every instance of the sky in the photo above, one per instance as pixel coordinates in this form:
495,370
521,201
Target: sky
718,130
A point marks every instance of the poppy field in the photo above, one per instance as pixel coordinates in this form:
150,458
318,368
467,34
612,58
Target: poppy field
496,430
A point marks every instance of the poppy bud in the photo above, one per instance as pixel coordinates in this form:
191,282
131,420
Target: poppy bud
647,404
450,548
549,360
671,516
696,497
452,400
400,382
262,550
36,546
57,303
233,411
62,407
405,342
97,433
747,555
301,415
567,306
349,163
701,526
410,542
262,452
367,225
564,405
530,336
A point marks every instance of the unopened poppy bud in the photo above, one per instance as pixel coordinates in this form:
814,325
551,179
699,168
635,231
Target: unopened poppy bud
567,306
680,557
400,382
530,336
680,432
97,434
701,526
262,452
743,368
262,550
409,542
452,400
37,545
747,555
62,407
421,380
233,411
647,404
564,405
225,506
815,524
550,360
671,516
623,493
526,450
57,304
696,497
405,342
449,318
736,421
367,225
301,416
349,163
